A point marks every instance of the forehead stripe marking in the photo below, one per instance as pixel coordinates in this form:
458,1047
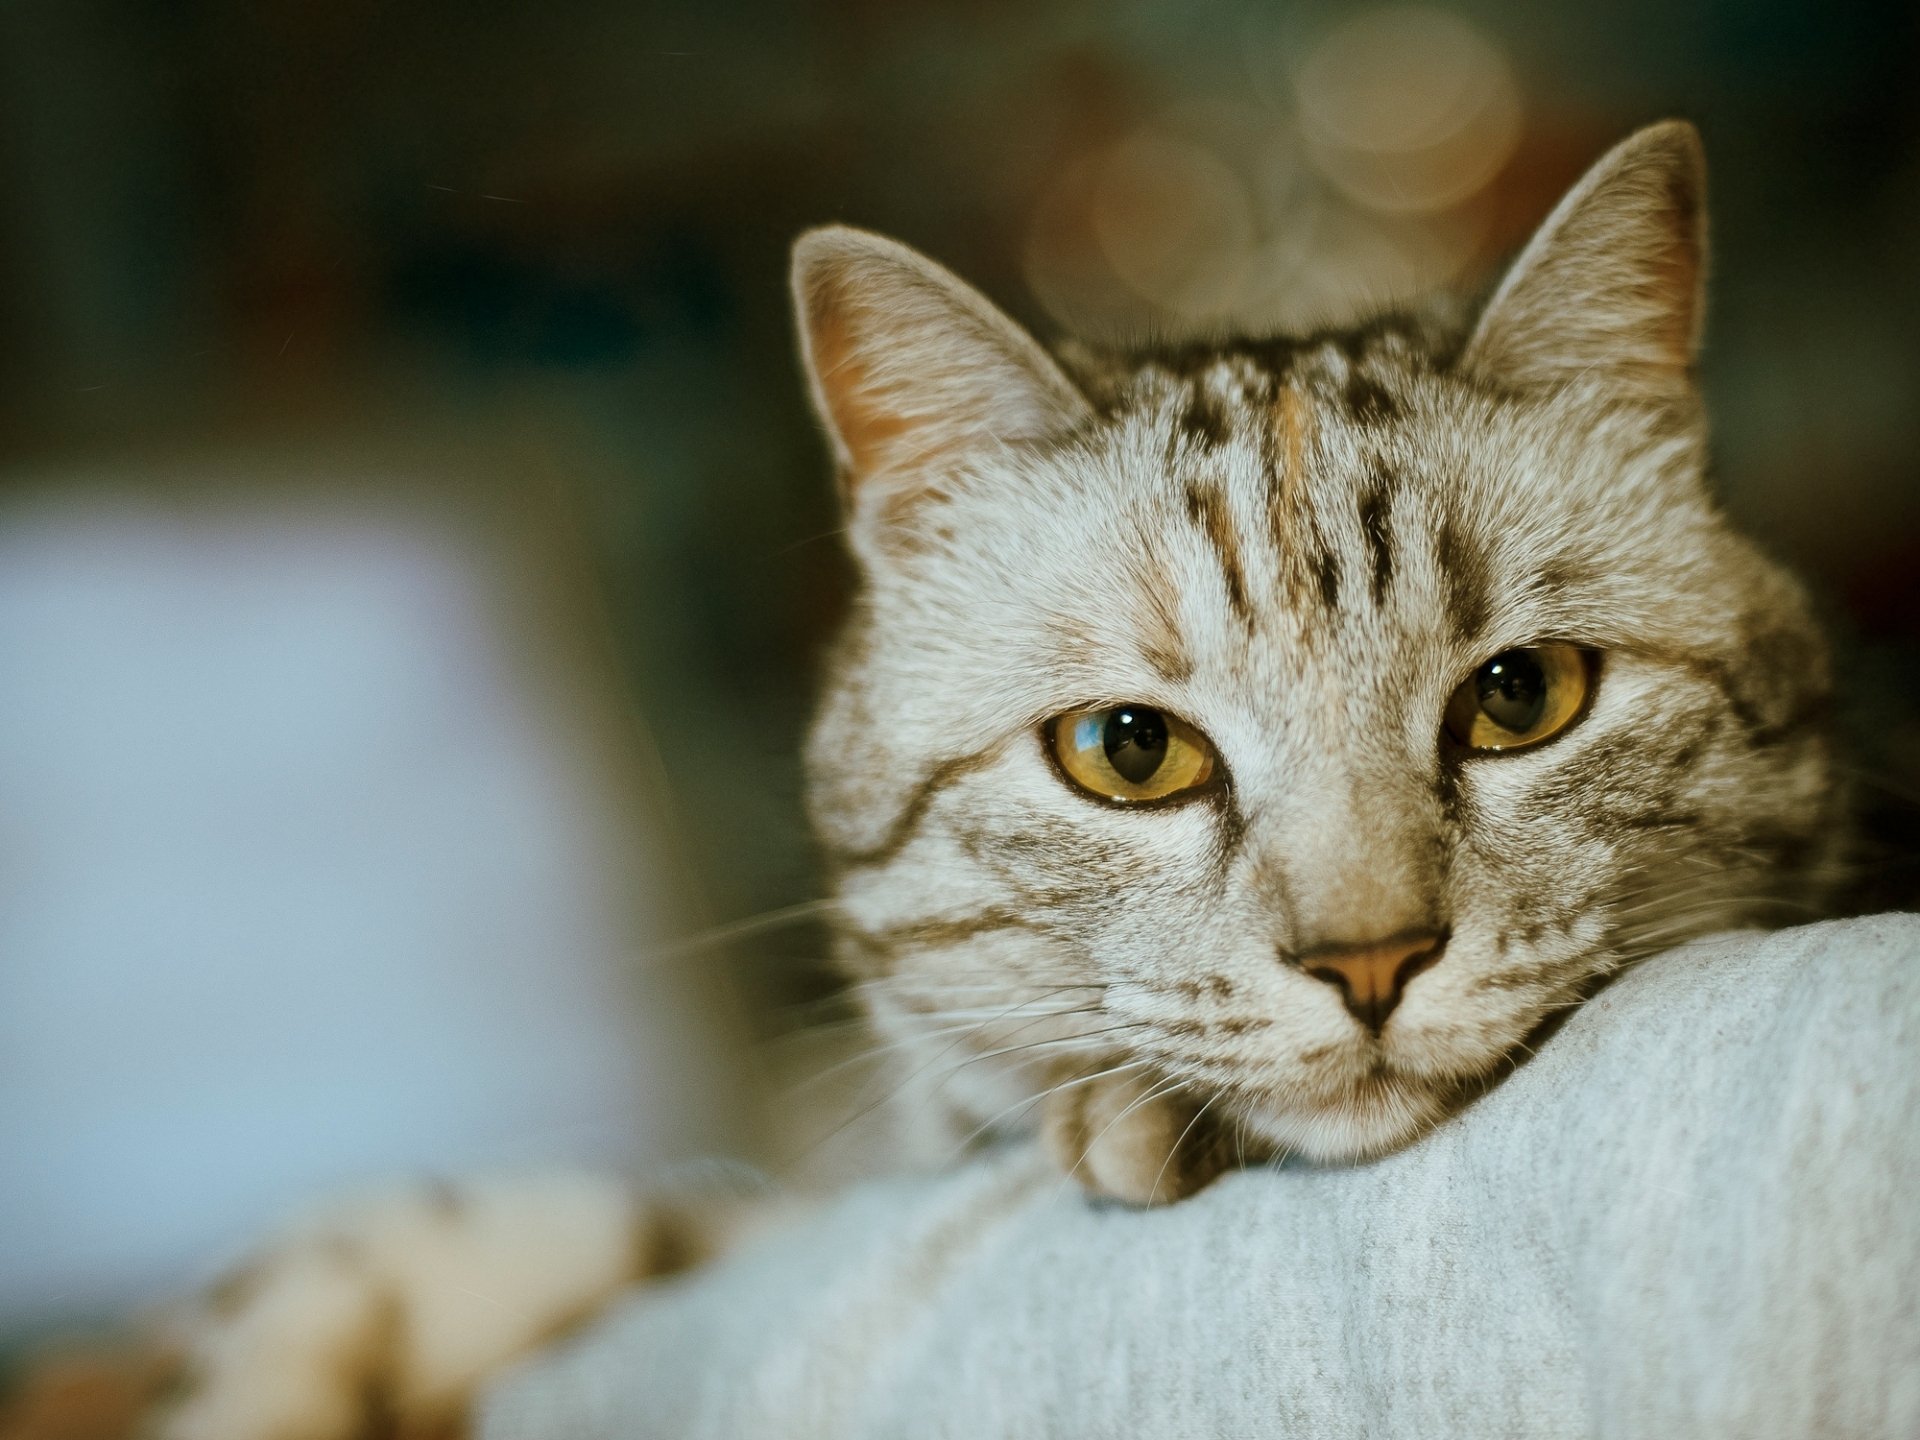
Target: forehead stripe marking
1283,503
1204,420
1207,508
1290,419
1295,536
1376,524
1367,401
1463,568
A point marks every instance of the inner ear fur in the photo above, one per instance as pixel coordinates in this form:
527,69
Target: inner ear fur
909,367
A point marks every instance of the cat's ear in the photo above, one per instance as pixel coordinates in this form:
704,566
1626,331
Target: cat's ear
910,368
1611,287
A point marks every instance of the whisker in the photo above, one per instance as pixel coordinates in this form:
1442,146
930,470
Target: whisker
1037,1044
1153,1092
907,1041
1178,1141
740,930
868,1109
1038,1099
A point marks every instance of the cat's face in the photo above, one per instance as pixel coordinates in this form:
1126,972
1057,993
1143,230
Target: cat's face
1301,723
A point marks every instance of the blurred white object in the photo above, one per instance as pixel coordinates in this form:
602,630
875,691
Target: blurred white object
302,882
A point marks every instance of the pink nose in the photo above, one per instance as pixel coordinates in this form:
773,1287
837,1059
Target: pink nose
1371,977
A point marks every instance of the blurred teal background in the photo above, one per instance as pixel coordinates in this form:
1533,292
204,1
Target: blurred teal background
520,268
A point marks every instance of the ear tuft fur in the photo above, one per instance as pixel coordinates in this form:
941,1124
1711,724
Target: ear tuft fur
1612,286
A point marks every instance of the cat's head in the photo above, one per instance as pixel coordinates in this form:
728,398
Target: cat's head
1305,719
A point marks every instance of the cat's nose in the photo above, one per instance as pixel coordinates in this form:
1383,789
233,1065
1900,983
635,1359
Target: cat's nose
1371,977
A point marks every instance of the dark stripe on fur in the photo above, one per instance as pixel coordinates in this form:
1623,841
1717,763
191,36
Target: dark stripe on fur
924,934
1326,574
1463,569
1204,420
1367,402
1173,666
1376,524
906,824
1207,508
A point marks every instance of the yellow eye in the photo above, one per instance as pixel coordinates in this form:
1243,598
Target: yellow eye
1130,753
1521,697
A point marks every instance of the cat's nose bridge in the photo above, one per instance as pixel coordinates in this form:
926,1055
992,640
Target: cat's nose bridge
1372,976
1349,869
1352,862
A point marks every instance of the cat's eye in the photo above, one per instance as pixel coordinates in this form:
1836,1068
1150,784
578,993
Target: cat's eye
1130,753
1521,697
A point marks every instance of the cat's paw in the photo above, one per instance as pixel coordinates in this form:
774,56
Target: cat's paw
1126,1137
383,1318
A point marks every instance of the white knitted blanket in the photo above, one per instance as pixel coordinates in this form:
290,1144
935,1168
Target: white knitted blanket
1696,1213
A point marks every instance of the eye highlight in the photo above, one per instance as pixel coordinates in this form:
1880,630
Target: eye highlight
1128,754
1521,697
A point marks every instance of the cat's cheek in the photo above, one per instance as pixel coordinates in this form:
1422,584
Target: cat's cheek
1463,1019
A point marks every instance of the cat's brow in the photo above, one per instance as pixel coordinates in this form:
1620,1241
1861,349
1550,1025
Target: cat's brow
1161,640
1463,570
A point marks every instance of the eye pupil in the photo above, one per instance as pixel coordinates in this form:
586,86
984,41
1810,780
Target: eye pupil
1513,690
1135,739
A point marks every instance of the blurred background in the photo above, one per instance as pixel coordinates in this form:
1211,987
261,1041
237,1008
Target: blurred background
415,551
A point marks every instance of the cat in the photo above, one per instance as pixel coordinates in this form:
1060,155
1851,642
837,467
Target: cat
1237,749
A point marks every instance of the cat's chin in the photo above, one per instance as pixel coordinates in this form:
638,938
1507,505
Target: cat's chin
1356,1120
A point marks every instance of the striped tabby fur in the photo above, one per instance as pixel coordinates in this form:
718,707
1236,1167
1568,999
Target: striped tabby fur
1301,546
